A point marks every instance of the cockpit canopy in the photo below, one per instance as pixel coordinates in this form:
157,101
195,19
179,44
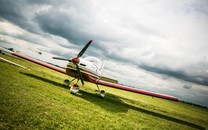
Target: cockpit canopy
94,60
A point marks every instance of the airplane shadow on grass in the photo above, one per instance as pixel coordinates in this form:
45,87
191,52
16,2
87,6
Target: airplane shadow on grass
116,104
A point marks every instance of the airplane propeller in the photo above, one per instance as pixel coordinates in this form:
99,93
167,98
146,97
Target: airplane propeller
60,58
84,49
76,60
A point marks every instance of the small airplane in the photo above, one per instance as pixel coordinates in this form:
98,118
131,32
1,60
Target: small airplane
89,69
83,69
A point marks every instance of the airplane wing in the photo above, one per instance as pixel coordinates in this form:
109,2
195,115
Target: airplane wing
135,90
96,81
40,62
61,70
118,86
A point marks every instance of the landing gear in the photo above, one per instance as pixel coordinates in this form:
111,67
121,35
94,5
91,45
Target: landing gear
66,83
102,92
74,89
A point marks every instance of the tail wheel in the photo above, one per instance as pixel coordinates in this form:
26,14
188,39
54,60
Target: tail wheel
66,83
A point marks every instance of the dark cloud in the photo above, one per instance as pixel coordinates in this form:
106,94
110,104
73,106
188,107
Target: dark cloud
11,10
67,19
179,74
61,24
15,12
53,21
187,86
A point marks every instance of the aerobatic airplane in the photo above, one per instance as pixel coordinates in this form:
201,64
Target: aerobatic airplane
89,69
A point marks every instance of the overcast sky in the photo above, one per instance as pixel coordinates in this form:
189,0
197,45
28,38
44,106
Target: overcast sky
161,46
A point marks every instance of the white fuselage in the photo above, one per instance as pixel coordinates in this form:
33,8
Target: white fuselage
88,66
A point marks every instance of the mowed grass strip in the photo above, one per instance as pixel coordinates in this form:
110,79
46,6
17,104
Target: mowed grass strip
34,98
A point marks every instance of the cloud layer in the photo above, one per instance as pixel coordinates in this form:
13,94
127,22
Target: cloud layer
156,43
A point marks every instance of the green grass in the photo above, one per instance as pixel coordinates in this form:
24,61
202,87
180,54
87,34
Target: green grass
34,98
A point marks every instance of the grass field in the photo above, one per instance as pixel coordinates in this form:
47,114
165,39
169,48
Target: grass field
34,98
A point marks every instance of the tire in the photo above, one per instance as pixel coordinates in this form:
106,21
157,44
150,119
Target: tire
66,83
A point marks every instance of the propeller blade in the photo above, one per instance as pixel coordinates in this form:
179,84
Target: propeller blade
84,49
59,58
80,75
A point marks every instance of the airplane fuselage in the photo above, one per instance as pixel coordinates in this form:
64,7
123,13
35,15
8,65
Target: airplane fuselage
87,68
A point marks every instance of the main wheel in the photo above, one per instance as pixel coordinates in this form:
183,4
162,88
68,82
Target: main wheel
66,83
102,93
